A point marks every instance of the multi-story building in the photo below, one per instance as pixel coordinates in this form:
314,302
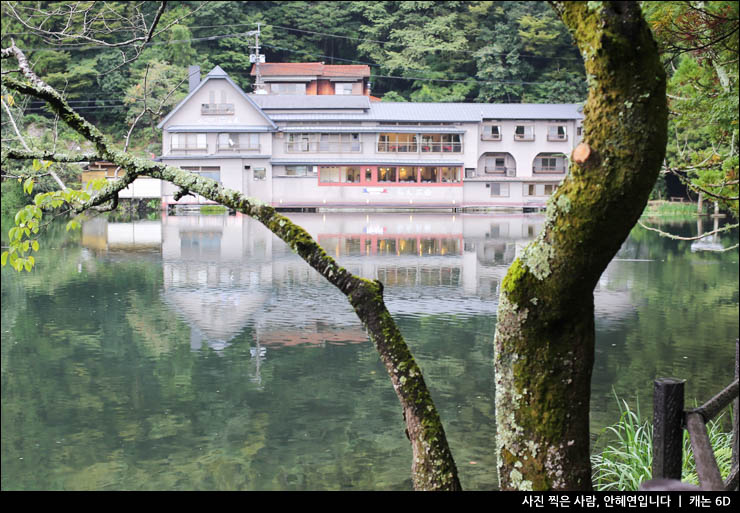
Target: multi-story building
328,144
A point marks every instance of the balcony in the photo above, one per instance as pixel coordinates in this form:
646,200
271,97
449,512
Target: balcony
189,150
539,169
245,148
216,108
557,137
505,171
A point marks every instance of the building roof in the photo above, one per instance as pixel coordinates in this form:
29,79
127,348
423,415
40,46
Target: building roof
311,102
318,69
444,112
217,73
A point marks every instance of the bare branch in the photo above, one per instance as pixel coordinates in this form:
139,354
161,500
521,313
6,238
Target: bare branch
698,237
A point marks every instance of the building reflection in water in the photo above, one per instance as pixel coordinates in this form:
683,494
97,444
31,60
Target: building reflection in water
223,275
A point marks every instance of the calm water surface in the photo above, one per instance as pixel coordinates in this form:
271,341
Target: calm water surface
200,353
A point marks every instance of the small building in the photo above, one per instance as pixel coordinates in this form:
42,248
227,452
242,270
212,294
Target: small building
141,188
304,144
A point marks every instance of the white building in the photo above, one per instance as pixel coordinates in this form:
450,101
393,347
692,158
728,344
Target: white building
328,145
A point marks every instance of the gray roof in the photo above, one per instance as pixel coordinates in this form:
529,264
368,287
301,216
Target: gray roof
310,102
446,112
217,74
219,128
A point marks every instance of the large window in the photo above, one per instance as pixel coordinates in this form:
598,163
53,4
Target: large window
212,172
441,143
340,174
397,143
214,107
550,163
238,142
323,143
384,175
189,143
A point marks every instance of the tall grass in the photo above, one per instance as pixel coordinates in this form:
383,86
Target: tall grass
670,209
627,460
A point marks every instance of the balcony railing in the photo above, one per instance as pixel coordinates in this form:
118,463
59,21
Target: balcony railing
561,169
188,151
216,108
498,170
238,149
557,137
392,147
524,137
323,147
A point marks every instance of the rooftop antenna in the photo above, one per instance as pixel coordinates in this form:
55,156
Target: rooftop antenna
257,59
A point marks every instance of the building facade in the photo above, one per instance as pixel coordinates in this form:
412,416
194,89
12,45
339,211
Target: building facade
340,149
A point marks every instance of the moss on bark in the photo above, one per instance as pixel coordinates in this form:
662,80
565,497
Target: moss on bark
543,360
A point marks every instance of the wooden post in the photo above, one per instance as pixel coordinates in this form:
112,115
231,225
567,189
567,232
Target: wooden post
668,405
737,409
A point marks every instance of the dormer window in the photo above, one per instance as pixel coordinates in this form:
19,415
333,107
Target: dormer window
343,88
213,107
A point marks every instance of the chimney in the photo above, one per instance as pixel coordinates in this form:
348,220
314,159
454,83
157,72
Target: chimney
193,77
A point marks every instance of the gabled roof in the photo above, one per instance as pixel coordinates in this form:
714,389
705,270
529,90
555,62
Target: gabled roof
217,73
318,69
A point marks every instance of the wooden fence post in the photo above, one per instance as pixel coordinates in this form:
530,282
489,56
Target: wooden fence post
668,404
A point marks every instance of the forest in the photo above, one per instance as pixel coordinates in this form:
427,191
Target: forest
475,51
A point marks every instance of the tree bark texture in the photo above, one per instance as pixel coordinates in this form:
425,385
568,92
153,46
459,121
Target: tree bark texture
544,341
433,467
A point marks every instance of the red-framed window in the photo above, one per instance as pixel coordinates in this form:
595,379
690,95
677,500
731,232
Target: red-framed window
390,175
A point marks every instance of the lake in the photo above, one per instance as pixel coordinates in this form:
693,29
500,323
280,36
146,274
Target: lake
200,353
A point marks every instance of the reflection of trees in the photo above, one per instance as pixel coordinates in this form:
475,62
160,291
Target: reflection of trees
687,303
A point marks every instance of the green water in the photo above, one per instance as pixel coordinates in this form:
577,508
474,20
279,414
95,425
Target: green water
198,353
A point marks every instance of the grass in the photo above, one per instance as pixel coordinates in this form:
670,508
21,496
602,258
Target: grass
669,209
627,460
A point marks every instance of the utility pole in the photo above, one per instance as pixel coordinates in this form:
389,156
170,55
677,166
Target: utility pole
257,59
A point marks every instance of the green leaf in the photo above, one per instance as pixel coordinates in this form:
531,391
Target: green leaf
4,258
35,245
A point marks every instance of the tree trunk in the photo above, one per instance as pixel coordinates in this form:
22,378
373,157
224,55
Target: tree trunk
544,341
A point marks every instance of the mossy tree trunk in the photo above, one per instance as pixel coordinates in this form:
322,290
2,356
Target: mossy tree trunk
544,341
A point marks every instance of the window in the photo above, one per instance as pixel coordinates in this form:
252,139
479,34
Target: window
449,174
524,133
550,163
441,143
215,108
556,133
187,143
340,174
539,189
297,170
343,88
386,174
495,165
212,172
288,88
500,189
429,175
397,143
331,143
491,133
407,174
579,131
236,142
259,173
